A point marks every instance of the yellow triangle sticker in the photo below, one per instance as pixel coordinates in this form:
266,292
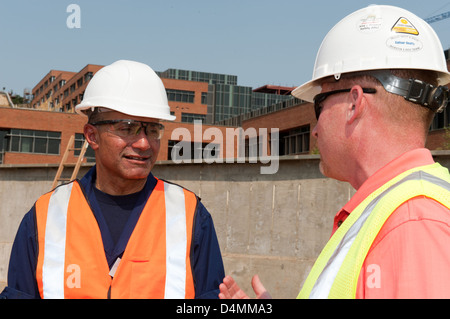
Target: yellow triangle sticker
404,26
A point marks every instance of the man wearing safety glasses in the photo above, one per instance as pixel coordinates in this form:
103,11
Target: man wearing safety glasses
379,78
119,232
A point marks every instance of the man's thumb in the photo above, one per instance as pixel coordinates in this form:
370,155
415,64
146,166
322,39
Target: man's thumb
258,288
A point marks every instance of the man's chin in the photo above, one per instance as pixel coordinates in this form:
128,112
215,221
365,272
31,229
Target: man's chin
137,173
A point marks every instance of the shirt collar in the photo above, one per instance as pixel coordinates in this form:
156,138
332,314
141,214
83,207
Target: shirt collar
407,161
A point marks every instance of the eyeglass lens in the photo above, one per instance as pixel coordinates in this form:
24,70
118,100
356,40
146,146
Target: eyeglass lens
131,129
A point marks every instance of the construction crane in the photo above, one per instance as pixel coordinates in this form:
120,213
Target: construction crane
438,17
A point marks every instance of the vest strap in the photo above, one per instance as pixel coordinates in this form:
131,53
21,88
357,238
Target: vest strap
176,241
346,281
55,243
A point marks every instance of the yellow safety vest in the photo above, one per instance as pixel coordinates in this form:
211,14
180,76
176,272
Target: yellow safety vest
336,271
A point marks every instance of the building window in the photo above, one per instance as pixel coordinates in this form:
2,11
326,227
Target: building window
28,141
79,140
180,96
191,117
88,76
3,144
295,141
440,121
204,98
229,101
191,150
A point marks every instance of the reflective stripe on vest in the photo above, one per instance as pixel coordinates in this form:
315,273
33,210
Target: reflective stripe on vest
58,251
55,243
336,271
175,242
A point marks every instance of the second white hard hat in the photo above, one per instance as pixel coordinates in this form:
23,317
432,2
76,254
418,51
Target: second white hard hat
374,38
129,87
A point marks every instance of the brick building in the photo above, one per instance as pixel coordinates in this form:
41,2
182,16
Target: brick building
29,136
40,133
51,118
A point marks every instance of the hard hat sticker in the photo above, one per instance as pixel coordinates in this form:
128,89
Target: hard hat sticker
404,43
369,24
404,26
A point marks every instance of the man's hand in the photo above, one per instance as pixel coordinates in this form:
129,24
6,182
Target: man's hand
229,289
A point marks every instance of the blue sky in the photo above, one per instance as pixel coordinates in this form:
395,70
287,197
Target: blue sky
262,42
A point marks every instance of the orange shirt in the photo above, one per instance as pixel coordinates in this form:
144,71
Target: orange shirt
410,257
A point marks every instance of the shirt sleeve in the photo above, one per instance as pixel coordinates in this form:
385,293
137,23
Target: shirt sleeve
410,257
22,264
206,259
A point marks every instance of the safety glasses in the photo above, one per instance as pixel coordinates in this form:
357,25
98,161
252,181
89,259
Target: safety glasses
321,97
130,128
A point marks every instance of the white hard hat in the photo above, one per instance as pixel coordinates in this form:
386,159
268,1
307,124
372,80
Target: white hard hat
128,87
376,38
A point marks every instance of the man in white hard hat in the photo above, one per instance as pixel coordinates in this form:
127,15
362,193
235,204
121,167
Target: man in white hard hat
119,232
379,78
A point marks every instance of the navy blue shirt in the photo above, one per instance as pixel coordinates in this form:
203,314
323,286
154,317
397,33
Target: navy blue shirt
116,217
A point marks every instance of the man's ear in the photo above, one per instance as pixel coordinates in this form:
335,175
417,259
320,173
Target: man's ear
91,135
356,106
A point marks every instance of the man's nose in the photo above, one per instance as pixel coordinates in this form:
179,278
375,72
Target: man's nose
141,140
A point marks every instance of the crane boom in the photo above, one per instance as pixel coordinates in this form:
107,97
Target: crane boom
438,17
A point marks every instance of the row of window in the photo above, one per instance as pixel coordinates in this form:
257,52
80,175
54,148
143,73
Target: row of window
191,117
294,141
172,94
184,96
79,82
29,141
37,142
211,78
180,150
46,84
46,142
180,96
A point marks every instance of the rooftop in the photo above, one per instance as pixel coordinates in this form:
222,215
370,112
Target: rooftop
275,89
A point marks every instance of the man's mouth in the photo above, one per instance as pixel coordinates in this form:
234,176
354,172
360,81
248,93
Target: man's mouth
137,158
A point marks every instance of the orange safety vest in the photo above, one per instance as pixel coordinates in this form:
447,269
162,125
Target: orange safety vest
155,264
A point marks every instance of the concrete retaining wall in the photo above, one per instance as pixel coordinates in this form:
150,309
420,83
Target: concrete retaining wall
271,225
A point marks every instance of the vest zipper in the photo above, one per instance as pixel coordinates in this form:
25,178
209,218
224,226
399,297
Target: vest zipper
108,296
112,272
